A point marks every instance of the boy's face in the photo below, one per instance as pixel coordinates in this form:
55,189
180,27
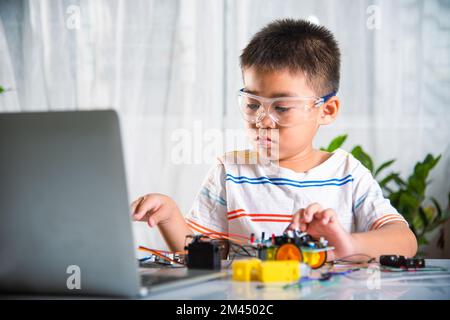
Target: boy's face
269,136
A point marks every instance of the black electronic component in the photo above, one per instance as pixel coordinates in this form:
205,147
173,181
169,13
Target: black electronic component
392,261
415,263
401,262
299,241
203,255
262,253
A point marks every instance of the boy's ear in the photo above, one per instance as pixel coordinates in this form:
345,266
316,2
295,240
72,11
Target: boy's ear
329,111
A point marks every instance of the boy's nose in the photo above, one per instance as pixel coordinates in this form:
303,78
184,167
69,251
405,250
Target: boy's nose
266,122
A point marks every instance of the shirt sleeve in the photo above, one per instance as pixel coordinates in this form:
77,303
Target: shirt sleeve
208,214
371,209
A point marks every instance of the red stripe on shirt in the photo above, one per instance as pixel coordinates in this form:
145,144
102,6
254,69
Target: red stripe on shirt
271,220
274,215
236,211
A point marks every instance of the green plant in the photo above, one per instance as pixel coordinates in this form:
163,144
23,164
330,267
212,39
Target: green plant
424,214
410,199
359,153
3,90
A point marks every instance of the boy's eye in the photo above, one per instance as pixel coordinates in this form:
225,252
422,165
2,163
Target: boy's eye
280,109
253,106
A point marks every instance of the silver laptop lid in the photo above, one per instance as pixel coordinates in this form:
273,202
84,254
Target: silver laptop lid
64,216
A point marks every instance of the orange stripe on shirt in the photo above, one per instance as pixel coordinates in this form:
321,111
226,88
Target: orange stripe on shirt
205,228
213,236
377,221
215,232
389,220
201,231
381,219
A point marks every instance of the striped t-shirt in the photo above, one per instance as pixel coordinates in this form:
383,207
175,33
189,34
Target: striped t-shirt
240,196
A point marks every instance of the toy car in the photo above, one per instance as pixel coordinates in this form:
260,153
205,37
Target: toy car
295,246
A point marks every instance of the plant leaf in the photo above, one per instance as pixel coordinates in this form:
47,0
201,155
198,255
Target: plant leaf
388,190
437,206
383,166
388,179
410,200
422,169
400,182
421,240
362,156
408,205
417,186
335,143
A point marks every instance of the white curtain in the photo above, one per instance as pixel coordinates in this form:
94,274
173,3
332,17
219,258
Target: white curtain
172,65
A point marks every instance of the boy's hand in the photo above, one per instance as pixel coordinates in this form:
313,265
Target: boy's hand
316,221
158,209
154,208
319,222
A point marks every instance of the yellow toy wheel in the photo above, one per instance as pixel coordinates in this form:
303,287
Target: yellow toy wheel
289,251
316,259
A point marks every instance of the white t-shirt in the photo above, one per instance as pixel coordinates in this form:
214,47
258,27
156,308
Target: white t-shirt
242,195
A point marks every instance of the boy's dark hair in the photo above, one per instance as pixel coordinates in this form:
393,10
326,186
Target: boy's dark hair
296,45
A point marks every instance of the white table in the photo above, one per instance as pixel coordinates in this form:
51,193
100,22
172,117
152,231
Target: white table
362,284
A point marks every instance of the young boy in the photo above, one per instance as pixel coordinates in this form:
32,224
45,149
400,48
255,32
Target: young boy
291,76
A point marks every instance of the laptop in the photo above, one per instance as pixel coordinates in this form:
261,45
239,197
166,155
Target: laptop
65,225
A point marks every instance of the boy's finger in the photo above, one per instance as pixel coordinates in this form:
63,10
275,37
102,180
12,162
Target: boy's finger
141,215
153,218
310,211
326,216
136,203
295,223
325,220
301,225
145,207
330,214
151,202
318,215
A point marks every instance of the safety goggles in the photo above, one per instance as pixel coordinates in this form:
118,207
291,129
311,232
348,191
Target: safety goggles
285,111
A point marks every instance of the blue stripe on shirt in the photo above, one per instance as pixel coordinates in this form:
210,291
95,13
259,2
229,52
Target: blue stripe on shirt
360,201
297,184
240,178
207,193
